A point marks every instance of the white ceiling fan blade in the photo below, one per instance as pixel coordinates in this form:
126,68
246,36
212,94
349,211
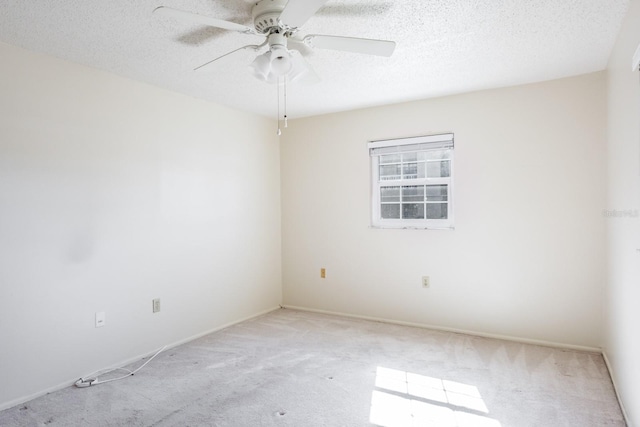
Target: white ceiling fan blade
195,18
352,44
214,62
297,12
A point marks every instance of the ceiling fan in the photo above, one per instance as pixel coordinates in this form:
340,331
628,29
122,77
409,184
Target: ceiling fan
279,22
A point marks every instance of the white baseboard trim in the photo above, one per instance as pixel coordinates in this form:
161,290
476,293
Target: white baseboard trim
615,386
454,330
24,399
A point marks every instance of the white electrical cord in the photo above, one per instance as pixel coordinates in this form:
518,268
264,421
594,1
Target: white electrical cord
92,379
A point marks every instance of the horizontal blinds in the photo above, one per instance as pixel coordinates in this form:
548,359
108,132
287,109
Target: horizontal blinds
418,143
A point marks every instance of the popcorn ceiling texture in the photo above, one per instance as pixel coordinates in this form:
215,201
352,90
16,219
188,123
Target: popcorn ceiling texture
443,47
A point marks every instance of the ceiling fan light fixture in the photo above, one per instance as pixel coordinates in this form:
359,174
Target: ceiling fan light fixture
261,66
299,68
280,60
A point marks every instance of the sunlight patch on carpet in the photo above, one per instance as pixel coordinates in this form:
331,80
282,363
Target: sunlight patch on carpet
403,398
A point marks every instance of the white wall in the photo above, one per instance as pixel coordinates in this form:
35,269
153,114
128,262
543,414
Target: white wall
622,311
527,256
113,193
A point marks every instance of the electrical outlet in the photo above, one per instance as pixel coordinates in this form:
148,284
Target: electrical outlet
101,319
425,281
323,273
156,305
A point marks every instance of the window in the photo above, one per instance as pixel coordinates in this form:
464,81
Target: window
412,182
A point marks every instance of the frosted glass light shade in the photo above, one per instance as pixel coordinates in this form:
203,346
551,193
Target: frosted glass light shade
280,61
261,66
276,63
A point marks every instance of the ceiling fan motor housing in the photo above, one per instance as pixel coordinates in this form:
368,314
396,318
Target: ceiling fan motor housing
280,56
266,14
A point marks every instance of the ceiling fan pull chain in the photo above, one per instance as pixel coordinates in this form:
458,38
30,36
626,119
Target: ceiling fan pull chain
285,102
278,96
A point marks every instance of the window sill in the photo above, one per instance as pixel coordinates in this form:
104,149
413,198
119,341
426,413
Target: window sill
411,227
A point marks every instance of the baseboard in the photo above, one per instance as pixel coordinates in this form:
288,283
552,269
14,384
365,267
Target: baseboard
70,382
454,330
24,399
615,387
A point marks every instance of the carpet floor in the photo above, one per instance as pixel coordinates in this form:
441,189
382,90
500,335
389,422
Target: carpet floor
293,368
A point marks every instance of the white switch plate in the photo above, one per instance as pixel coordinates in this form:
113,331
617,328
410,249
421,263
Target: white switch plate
101,319
425,281
156,305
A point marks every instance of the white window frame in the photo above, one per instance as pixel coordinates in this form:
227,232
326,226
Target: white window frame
419,143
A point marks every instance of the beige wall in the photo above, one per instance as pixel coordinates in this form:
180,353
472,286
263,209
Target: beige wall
622,310
113,193
527,256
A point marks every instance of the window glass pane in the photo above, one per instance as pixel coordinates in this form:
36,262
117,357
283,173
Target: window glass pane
389,194
409,157
438,169
389,172
414,193
437,193
437,154
413,210
390,158
437,211
410,171
445,168
390,211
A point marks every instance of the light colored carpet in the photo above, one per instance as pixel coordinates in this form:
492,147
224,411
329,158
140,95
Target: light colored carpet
292,368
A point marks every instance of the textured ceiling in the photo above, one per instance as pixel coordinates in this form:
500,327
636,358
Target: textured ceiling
443,46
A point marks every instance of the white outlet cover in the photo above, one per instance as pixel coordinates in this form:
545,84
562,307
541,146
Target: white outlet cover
425,281
101,319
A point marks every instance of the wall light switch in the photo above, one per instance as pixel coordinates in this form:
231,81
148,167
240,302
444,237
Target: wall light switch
156,305
323,273
101,319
